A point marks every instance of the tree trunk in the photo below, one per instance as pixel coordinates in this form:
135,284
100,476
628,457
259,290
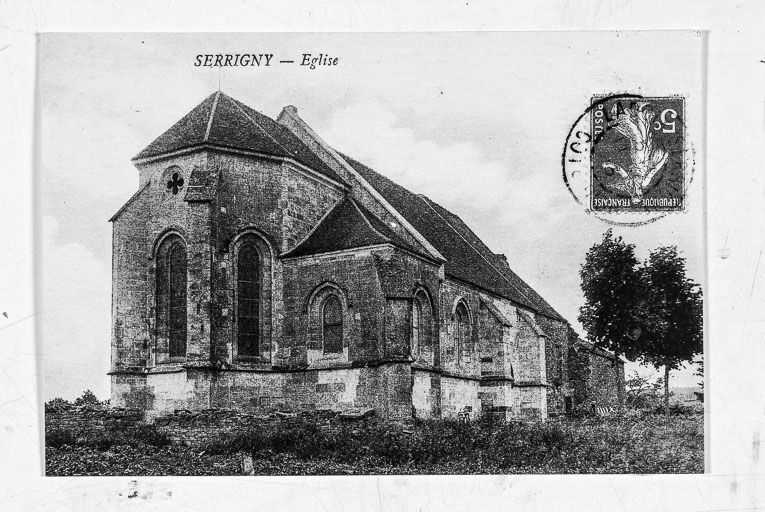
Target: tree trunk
666,390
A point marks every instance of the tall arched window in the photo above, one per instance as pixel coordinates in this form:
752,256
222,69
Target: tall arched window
171,295
463,332
422,327
248,292
416,328
332,325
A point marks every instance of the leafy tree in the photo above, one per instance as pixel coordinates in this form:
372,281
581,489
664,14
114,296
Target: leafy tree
675,335
641,392
57,404
648,311
87,398
614,290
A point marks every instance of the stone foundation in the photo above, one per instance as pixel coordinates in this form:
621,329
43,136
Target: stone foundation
385,388
396,391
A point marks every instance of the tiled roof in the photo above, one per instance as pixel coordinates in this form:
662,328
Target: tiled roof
225,122
347,226
467,257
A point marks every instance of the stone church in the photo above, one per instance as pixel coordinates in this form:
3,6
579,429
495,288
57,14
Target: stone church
256,268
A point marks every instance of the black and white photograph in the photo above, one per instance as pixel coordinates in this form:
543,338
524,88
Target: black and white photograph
372,254
379,255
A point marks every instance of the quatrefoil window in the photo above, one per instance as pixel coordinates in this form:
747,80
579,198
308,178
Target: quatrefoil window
175,183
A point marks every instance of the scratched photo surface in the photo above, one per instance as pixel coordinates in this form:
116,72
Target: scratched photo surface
398,253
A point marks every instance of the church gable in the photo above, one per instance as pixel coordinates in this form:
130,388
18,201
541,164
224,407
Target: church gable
347,226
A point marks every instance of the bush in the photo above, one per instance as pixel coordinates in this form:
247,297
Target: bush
430,442
88,398
147,435
676,409
100,442
150,435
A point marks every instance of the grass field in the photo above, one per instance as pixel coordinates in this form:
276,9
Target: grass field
637,443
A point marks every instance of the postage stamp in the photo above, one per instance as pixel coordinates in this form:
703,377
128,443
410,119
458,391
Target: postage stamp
637,152
627,159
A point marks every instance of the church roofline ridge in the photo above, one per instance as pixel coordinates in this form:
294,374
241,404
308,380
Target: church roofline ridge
212,115
427,201
291,112
255,123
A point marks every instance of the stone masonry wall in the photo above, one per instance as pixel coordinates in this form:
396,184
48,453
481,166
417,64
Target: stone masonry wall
556,359
154,210
269,196
92,421
278,203
606,383
354,275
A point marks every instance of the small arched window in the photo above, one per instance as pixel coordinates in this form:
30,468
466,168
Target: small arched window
248,291
463,332
171,295
332,325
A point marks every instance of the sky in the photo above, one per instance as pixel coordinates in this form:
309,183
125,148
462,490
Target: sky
475,121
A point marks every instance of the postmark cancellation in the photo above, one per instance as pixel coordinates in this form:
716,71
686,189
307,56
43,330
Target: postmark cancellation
626,157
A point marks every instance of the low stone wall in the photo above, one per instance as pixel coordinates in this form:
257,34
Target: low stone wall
198,428
91,420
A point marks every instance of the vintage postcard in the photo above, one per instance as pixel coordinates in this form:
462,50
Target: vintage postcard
398,253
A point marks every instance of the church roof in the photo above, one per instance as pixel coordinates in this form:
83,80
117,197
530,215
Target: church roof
467,257
222,121
347,226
